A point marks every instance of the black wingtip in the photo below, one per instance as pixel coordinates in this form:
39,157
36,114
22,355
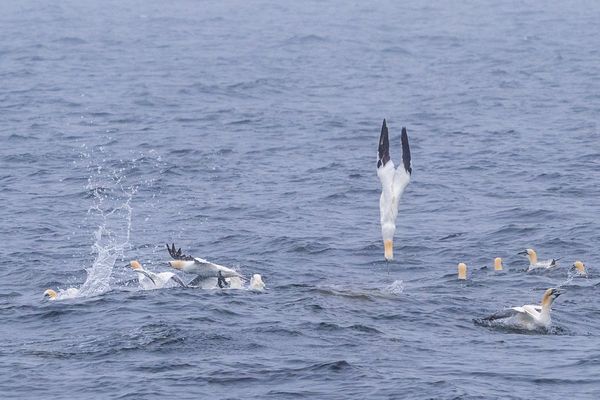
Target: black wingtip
406,151
384,146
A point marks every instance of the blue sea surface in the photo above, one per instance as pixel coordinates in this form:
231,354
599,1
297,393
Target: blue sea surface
246,133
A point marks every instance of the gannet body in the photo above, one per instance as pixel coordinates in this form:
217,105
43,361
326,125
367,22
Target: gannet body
528,317
61,294
393,182
580,269
534,264
201,268
149,280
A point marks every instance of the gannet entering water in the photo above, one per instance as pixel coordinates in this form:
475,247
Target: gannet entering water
498,264
201,268
393,183
580,269
528,317
61,295
150,280
462,271
256,283
534,263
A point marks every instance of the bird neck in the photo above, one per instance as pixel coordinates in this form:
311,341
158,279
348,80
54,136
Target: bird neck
532,258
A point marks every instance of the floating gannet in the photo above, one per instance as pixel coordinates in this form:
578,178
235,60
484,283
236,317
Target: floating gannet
202,268
393,183
528,317
534,263
256,283
580,269
150,280
498,264
61,295
462,271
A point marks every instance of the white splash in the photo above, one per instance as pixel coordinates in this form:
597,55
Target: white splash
395,288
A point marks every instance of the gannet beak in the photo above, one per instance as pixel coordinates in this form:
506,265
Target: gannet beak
388,249
522,253
557,292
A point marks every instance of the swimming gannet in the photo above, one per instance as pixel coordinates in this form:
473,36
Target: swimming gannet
202,268
62,294
580,269
256,283
150,280
393,183
462,271
534,263
498,264
528,317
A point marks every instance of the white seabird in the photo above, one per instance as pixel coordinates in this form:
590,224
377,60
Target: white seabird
62,294
150,280
203,269
534,263
393,182
580,269
528,317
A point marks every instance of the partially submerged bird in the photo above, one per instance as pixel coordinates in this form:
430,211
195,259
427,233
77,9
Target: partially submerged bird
498,264
393,182
62,294
203,269
151,280
580,269
534,263
462,271
256,283
528,317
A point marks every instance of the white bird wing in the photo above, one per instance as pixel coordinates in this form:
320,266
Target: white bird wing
149,275
214,269
169,276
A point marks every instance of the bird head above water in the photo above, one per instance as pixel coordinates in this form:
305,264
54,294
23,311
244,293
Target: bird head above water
549,296
580,268
531,255
135,265
498,264
50,294
462,271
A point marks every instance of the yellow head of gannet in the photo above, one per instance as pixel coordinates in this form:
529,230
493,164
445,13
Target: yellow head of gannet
462,271
178,264
51,294
498,264
580,267
549,296
135,264
531,255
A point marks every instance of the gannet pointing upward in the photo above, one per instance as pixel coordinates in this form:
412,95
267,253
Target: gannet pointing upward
393,183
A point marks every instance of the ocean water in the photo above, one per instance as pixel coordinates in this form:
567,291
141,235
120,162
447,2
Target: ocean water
246,133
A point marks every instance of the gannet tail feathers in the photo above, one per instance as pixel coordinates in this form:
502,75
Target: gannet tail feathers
221,281
384,146
405,151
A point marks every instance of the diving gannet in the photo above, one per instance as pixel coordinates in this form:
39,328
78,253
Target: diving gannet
498,264
202,268
580,269
393,183
462,271
150,280
62,294
529,317
534,263
256,283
